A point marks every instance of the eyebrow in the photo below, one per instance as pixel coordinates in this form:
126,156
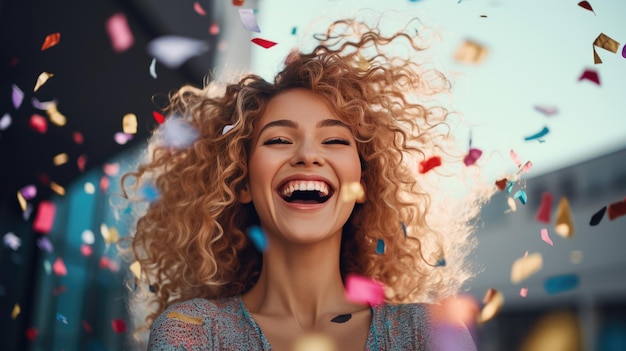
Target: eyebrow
291,124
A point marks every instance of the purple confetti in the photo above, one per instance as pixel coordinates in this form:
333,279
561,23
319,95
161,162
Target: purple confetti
5,121
472,156
42,105
45,244
18,96
122,138
248,20
624,51
12,241
29,192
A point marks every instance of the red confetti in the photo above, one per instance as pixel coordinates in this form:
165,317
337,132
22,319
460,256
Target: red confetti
158,117
198,8
590,75
87,327
364,290
429,164
501,183
51,40
545,208
263,43
78,138
586,5
60,290
616,209
119,326
238,2
81,161
58,267
31,333
45,217
38,123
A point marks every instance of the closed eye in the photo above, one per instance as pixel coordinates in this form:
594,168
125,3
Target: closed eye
337,141
277,140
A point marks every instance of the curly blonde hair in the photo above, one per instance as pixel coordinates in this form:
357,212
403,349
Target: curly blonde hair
191,241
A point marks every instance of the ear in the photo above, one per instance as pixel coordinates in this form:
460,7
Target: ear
363,198
245,196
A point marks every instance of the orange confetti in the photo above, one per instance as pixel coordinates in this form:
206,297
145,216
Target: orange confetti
51,40
493,300
470,52
564,223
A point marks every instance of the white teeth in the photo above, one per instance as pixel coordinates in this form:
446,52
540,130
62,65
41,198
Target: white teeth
303,185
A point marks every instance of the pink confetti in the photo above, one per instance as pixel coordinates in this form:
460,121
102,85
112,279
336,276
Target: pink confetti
545,237
364,290
515,158
198,8
78,138
81,161
38,123
104,262
45,217
547,110
58,267
104,184
86,250
266,44
119,32
523,292
214,29
472,156
29,192
111,169
122,138
17,96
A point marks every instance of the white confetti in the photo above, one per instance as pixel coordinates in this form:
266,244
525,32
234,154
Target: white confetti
173,51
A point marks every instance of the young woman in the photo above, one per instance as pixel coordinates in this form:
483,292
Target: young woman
260,219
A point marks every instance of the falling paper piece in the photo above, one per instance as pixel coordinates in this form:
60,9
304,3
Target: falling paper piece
58,267
51,40
360,289
45,244
12,241
597,217
173,51
526,168
564,224
153,73
45,217
17,96
521,195
441,262
42,79
227,128
523,292
258,238
38,123
263,43
429,164
380,246
59,290
90,188
472,156
576,256
57,188
81,161
129,123
352,192
87,327
561,283
547,110
184,318
403,229
455,310
198,8
135,268
501,183
149,192
342,318
119,32
29,192
616,209
545,208
88,237
60,159
78,138
545,236
5,121
512,205
515,158
526,266
86,250
603,41
543,132
31,333
214,29
122,138
55,116
16,311
493,300
624,51
42,105
158,117
61,318
248,20
119,326
590,75
586,6
104,183
238,2
509,186
470,52
562,330
110,235
22,201
176,133
314,342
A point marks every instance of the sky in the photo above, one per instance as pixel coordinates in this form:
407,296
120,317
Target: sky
536,52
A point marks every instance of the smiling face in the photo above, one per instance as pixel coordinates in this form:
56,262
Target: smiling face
300,157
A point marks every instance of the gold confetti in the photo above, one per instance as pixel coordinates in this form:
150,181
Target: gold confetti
22,201
55,116
556,331
493,300
603,41
42,79
16,311
110,235
526,266
57,188
512,205
60,159
184,318
564,223
352,192
135,267
314,342
362,63
470,52
129,123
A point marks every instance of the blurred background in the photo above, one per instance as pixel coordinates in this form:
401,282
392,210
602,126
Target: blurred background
82,85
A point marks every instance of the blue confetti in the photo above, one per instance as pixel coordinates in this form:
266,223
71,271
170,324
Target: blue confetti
294,30
403,228
521,195
61,318
380,246
561,283
150,192
538,135
258,238
509,187
441,263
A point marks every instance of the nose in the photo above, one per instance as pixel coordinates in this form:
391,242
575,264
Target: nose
307,153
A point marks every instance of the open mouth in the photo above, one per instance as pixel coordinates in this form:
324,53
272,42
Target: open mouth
306,191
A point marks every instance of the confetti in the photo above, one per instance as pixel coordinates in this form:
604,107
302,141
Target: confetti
227,128
87,327
546,237
543,132
29,192
591,75
429,164
545,208
352,192
177,134
5,121
58,267
119,32
59,290
624,51
110,235
81,161
22,201
78,138
60,159
42,79
57,188
523,292
526,266
214,29
61,318
56,117
198,8
441,262
129,123
158,117
119,326
88,237
515,158
576,256
258,238
470,52
90,188
493,300
17,96
248,20
104,183
173,51
135,268
564,223
512,205
604,42
45,217
501,183
342,318
586,6
403,229
184,318
380,246
526,168
152,68
521,196
45,244
31,333
16,311
360,289
561,283
314,342
455,310
616,209
42,105
597,217
238,2
509,186
86,250
122,138
12,241
149,192
472,156
51,40
38,123
266,44
547,110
